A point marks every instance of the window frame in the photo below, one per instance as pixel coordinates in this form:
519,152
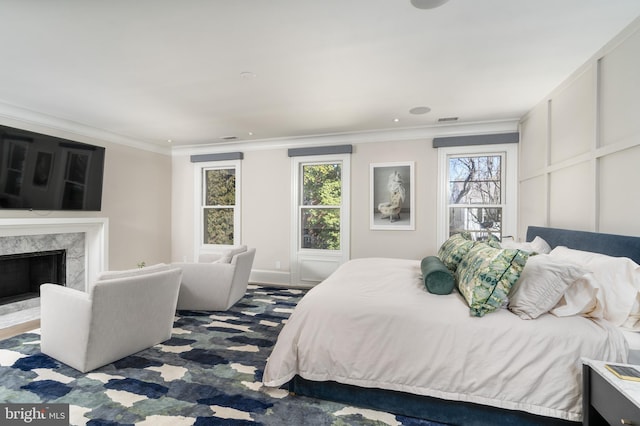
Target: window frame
199,197
302,259
509,185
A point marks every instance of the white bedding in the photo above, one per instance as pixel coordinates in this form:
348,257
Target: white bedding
633,340
373,324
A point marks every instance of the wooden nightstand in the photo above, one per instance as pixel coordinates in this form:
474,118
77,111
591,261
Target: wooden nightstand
608,400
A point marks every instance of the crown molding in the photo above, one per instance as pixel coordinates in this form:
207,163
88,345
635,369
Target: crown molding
46,122
16,116
372,136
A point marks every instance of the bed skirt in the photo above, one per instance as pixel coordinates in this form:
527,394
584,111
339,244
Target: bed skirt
423,407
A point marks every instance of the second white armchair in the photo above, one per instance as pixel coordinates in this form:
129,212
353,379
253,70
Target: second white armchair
216,282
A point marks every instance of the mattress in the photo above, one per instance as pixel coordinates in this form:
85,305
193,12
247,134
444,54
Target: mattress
373,324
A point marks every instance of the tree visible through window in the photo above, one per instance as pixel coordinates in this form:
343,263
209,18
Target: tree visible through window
219,206
475,195
320,206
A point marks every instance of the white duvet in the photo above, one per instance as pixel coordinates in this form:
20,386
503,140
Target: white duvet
373,324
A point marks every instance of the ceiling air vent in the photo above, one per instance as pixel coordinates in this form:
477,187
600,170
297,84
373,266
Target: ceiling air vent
229,138
447,119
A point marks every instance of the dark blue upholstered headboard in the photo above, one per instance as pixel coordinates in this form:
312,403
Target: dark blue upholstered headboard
610,244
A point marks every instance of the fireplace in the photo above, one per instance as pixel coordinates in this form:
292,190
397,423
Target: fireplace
84,240
23,273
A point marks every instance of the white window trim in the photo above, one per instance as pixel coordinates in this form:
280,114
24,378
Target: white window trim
510,213
297,253
200,247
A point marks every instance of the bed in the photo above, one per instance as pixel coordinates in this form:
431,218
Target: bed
372,336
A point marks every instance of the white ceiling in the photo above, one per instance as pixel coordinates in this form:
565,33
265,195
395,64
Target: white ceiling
153,70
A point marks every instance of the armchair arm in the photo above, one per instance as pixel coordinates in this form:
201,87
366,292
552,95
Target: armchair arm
204,283
65,316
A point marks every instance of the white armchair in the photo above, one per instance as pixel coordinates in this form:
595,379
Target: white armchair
123,313
217,281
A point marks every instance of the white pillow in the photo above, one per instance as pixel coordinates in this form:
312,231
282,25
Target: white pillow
541,285
228,254
581,298
608,292
538,245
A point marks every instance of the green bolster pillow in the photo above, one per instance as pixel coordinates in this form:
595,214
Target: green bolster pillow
437,277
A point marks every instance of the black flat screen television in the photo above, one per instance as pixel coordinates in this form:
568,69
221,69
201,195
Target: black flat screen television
41,172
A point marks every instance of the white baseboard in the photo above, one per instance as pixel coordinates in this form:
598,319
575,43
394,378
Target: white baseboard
273,278
264,276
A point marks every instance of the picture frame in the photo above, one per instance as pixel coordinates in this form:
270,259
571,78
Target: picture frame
392,196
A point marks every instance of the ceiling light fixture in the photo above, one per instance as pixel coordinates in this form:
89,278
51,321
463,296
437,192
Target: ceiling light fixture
428,4
395,120
247,75
420,110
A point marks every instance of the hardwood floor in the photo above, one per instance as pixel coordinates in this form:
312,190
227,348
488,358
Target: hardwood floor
14,330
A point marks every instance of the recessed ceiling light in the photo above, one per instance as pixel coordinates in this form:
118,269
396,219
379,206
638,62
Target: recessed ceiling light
420,110
250,133
428,4
169,140
247,75
395,120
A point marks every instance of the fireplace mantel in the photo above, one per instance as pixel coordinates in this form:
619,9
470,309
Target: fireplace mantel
96,231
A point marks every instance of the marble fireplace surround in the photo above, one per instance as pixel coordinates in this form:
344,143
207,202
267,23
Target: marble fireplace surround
85,239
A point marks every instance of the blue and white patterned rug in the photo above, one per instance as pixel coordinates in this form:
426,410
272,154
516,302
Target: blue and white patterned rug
208,373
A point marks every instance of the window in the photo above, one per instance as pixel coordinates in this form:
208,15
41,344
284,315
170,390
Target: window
320,206
475,195
477,191
219,205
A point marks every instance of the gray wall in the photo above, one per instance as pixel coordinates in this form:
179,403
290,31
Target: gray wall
266,204
136,198
580,146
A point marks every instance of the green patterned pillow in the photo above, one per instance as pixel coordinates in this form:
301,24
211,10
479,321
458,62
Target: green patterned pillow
494,241
454,249
486,274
